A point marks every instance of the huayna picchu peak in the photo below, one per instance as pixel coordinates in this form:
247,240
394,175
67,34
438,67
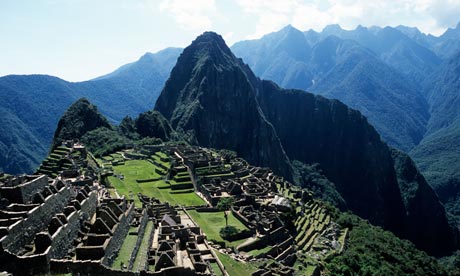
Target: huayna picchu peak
300,152
216,100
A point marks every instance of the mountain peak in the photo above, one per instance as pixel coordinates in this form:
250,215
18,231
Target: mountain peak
289,28
209,37
333,28
78,119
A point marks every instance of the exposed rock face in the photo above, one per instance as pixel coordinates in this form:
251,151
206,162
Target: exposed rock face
209,95
214,97
317,130
423,209
78,119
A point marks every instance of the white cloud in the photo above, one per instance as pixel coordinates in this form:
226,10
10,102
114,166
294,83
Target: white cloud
430,16
190,15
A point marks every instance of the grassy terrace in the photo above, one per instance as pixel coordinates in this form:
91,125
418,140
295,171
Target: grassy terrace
236,268
212,222
257,252
125,251
141,257
143,169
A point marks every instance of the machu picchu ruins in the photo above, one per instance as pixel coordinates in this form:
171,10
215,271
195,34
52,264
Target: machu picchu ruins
99,216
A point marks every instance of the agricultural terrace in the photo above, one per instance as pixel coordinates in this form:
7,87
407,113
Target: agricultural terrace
131,177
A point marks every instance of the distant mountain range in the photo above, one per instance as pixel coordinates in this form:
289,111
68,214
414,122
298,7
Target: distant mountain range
32,104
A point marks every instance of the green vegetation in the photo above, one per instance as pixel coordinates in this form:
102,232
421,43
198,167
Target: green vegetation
134,170
228,231
212,222
312,178
236,268
125,251
103,141
256,252
370,250
216,269
80,118
437,157
143,248
153,124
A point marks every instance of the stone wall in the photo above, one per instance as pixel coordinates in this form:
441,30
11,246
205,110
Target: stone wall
140,237
278,234
118,236
23,232
22,193
62,239
90,268
25,265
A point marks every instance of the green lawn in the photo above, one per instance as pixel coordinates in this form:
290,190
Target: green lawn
141,257
125,251
236,268
143,169
212,222
257,252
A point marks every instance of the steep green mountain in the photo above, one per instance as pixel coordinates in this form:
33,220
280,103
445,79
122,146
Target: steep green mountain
373,251
420,202
218,102
346,70
31,107
80,118
153,124
32,104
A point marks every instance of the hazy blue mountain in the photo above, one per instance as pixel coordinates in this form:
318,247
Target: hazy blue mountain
438,154
445,45
346,70
216,100
391,103
281,56
32,104
393,47
443,94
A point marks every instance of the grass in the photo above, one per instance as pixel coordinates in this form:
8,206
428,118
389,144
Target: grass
212,222
142,169
216,269
125,251
141,256
257,252
236,268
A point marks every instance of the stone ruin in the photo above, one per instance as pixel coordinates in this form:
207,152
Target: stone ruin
66,222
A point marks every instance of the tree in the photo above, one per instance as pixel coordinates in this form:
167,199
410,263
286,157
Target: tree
228,231
225,204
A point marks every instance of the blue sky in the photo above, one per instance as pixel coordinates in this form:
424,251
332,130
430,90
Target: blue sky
82,39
